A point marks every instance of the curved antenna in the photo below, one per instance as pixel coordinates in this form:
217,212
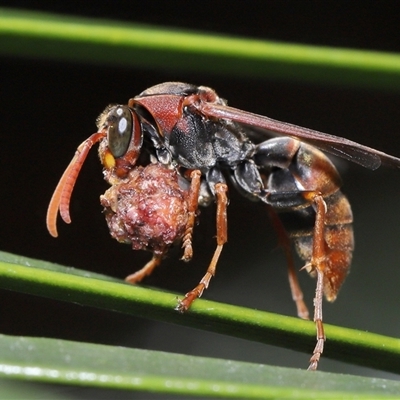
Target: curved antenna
62,193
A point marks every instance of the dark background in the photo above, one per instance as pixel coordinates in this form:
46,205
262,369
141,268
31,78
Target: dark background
48,108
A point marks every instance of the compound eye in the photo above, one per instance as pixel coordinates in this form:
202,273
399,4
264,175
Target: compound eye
120,130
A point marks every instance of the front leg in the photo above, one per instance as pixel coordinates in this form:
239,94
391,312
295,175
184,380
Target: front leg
193,204
221,190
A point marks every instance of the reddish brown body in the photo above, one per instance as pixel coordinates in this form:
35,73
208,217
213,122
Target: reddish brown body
338,244
300,219
174,147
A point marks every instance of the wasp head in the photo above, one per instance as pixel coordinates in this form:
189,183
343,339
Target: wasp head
120,137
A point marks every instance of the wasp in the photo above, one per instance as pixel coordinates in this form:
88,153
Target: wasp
176,146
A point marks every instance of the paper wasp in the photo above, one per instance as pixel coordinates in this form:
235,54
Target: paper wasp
176,147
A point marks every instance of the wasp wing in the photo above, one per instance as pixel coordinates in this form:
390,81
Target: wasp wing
338,146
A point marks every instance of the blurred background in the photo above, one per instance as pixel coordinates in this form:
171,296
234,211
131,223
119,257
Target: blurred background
48,108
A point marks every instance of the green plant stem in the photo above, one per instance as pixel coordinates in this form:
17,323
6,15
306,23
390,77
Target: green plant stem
51,36
362,348
60,361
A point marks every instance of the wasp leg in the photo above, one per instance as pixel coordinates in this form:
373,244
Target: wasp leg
319,347
146,270
317,259
284,242
193,203
222,233
318,263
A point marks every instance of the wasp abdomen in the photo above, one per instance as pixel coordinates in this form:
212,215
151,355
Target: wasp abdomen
299,174
338,238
